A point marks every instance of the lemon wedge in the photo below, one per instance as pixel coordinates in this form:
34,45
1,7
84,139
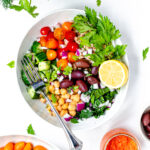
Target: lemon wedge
113,74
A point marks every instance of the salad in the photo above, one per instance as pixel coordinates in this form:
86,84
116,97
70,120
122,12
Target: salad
80,65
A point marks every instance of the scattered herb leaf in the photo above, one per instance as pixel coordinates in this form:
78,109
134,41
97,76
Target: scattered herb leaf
67,70
11,64
30,130
74,120
98,2
54,99
145,52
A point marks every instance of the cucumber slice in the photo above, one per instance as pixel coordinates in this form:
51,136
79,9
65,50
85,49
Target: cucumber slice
32,92
44,65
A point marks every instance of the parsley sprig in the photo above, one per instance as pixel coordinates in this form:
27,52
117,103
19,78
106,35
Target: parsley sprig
145,52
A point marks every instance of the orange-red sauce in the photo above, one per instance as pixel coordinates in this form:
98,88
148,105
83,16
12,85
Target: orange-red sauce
122,142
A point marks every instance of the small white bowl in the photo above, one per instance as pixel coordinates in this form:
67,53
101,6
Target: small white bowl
26,138
52,19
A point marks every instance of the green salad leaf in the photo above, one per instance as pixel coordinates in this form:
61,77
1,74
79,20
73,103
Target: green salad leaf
67,70
145,52
54,99
11,64
86,113
74,120
98,2
30,130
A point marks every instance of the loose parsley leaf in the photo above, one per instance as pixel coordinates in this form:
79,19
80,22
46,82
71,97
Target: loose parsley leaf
54,99
30,130
98,2
74,120
145,51
87,75
75,57
99,111
67,70
11,64
86,114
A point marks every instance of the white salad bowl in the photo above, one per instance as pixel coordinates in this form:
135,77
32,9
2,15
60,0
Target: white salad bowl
52,19
26,138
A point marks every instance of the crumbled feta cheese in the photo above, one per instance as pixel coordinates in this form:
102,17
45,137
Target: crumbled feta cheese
60,78
85,98
62,46
89,51
86,72
69,76
85,52
68,100
69,64
79,92
95,86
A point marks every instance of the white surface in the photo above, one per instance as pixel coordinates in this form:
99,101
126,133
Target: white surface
52,20
131,17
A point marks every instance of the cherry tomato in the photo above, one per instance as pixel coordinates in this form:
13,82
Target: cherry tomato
67,26
51,54
50,35
72,46
45,30
39,147
52,43
19,146
60,52
60,42
63,63
70,57
70,35
43,41
28,147
59,33
9,146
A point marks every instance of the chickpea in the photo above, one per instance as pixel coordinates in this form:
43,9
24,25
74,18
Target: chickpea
65,106
72,112
43,100
63,112
41,96
50,96
75,97
63,91
59,108
66,96
55,104
56,84
71,107
51,89
53,114
57,96
57,91
76,90
48,108
61,101
73,103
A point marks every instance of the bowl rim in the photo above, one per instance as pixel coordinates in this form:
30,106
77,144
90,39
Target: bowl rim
125,58
32,136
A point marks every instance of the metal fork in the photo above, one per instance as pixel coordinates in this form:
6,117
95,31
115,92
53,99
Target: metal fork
39,86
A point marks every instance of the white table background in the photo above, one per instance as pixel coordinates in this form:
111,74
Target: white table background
132,17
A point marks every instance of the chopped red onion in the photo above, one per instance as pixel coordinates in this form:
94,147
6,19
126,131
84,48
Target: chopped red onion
64,54
67,117
77,52
80,106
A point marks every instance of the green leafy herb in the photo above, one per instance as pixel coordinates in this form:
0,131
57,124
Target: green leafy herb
11,64
30,130
99,111
54,70
98,2
74,120
72,88
23,5
87,75
54,99
86,114
75,57
145,51
67,70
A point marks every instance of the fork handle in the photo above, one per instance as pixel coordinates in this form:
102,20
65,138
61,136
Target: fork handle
74,142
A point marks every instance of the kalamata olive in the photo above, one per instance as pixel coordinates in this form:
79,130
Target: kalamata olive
94,70
146,119
82,86
82,63
148,135
77,74
92,80
148,128
66,83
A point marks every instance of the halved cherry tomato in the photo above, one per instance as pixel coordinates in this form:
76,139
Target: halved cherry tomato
39,147
28,146
52,43
51,54
60,52
19,146
45,30
50,35
70,35
60,42
72,46
70,57
9,146
67,26
43,41
63,63
59,33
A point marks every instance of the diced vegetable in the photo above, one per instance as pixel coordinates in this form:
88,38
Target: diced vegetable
24,78
80,106
44,65
32,92
40,57
36,47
